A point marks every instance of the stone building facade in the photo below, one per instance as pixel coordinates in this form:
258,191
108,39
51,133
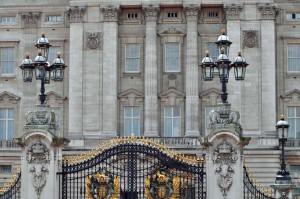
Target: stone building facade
133,67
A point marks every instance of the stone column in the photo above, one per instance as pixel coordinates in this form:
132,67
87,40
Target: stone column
41,155
151,103
109,78
234,33
224,146
191,74
268,66
75,72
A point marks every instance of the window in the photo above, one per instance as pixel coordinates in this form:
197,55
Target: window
54,18
8,19
208,109
293,116
172,14
132,56
6,124
213,14
213,50
7,61
293,57
131,121
53,50
172,57
293,16
295,168
296,193
5,168
172,121
132,15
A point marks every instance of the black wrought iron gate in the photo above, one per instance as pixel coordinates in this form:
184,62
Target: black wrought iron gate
132,168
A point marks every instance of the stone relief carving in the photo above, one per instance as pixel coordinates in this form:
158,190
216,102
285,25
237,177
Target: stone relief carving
172,81
172,31
76,13
224,116
224,155
233,10
31,18
151,12
192,11
268,11
41,117
110,13
251,38
38,156
93,40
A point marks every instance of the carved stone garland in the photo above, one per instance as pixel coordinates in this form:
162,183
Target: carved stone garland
38,156
224,155
110,13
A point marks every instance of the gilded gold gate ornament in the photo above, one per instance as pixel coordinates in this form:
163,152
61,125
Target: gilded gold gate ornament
161,186
100,186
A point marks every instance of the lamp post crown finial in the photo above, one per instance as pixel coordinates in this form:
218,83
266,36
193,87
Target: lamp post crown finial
58,54
39,51
207,53
43,34
27,55
282,117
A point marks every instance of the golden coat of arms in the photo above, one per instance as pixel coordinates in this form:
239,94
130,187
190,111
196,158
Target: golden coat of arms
162,186
100,186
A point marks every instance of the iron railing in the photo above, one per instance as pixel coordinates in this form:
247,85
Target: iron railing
12,190
251,191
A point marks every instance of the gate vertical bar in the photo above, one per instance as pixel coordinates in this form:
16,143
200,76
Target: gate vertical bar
132,173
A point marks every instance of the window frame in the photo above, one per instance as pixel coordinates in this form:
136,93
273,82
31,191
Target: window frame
8,22
289,118
132,118
287,64
7,120
179,57
138,57
56,17
172,117
12,73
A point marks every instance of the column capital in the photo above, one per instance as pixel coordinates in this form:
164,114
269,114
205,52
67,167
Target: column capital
110,13
233,11
268,11
191,11
75,13
31,18
151,12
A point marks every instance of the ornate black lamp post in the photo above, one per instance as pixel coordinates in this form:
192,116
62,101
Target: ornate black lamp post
223,65
283,176
43,70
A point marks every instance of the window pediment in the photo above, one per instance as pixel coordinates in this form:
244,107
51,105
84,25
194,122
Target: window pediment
131,97
211,95
172,97
172,31
6,96
293,95
54,97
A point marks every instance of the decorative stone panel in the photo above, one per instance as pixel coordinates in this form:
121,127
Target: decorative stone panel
291,96
93,40
8,98
131,97
172,97
76,13
268,11
172,31
233,11
250,39
110,13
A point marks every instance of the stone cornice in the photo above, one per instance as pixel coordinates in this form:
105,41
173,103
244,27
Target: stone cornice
191,11
268,11
233,11
110,13
31,18
172,31
76,13
151,12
